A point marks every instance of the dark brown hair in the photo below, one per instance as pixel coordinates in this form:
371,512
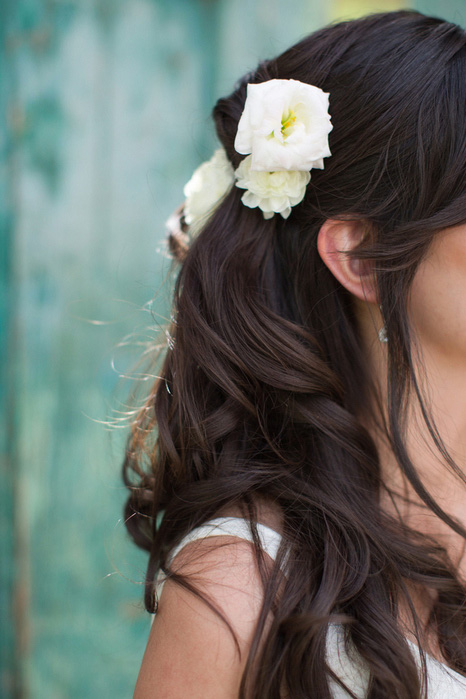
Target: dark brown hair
264,386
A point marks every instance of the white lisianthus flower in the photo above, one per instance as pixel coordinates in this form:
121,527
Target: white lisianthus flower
284,126
273,192
207,186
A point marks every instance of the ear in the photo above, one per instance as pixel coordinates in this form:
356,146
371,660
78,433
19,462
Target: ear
334,239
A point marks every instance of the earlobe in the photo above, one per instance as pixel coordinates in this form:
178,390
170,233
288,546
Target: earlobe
334,240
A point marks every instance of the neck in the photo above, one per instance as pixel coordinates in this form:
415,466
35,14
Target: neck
443,390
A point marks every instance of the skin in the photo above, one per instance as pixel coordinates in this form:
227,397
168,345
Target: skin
190,651
438,316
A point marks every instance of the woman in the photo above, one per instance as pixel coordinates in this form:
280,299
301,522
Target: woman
310,406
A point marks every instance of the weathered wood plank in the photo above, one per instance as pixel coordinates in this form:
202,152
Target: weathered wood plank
13,582
452,10
104,89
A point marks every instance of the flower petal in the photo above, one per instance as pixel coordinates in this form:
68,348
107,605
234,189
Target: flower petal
272,192
284,126
207,186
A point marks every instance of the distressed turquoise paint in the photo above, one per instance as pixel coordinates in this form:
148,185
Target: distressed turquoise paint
451,10
11,586
42,138
99,170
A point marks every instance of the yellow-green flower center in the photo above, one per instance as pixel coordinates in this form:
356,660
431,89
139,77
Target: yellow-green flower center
287,122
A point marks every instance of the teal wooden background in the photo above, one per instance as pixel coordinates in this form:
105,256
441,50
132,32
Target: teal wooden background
105,113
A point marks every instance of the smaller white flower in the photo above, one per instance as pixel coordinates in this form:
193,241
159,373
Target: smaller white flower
272,192
207,186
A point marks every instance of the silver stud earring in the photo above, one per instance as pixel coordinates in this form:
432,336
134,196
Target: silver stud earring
382,332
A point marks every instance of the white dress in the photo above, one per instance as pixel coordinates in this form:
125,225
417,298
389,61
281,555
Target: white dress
443,682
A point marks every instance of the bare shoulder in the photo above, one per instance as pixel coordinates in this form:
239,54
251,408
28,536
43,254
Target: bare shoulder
190,651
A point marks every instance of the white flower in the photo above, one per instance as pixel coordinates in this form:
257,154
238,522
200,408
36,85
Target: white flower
284,126
273,192
208,185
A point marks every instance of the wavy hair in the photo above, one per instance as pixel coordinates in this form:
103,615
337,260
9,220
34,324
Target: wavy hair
264,388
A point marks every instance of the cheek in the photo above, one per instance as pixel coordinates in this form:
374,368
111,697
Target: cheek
437,303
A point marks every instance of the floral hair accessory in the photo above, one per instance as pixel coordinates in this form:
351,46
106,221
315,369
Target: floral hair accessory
284,126
283,131
207,186
271,191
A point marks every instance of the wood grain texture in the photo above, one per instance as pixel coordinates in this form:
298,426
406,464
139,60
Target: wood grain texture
101,144
11,588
